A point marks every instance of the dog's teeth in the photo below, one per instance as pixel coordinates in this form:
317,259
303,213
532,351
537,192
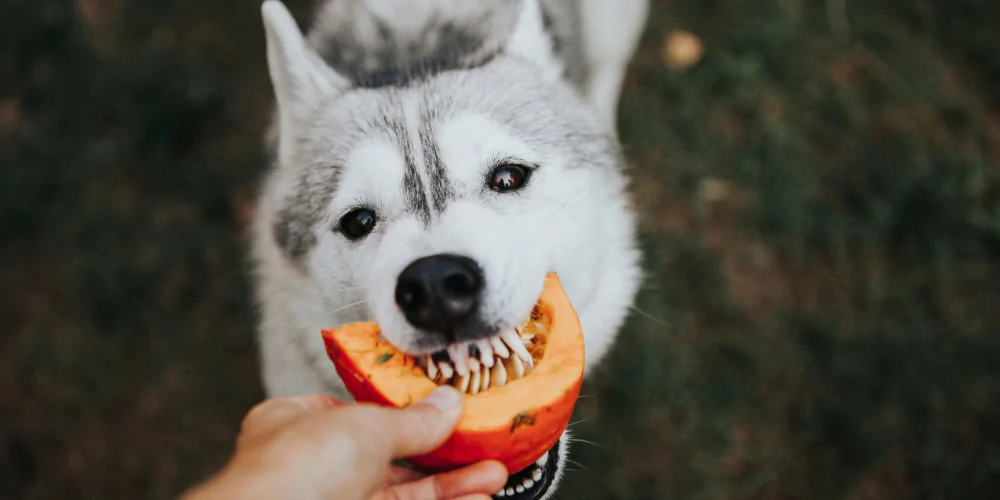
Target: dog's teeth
474,365
462,370
510,337
519,488
543,460
432,369
528,483
486,379
499,347
446,370
499,375
537,475
459,356
501,493
463,384
527,336
510,491
516,368
514,342
486,353
476,383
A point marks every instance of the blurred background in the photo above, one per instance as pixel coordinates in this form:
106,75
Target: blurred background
820,190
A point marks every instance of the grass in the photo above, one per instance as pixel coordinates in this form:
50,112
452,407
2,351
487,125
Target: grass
821,218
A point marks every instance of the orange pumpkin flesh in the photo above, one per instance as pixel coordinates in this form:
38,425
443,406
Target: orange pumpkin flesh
515,423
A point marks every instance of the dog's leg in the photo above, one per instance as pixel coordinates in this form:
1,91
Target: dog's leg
611,33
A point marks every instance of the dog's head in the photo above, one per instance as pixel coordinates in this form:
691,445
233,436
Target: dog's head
445,200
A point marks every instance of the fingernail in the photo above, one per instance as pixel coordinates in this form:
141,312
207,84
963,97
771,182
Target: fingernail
444,398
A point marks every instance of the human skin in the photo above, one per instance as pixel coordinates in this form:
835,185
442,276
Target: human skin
318,447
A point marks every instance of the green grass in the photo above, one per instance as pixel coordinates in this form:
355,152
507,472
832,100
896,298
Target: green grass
826,327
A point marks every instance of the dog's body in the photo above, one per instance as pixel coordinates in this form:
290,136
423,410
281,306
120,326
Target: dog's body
389,121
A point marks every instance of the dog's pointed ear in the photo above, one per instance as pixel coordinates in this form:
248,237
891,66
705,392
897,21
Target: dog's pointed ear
531,42
300,77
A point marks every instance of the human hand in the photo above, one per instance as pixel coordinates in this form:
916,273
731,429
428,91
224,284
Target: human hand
319,447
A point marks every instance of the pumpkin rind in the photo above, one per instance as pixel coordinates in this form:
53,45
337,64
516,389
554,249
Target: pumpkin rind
514,424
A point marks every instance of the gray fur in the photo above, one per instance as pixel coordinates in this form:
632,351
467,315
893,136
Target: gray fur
426,37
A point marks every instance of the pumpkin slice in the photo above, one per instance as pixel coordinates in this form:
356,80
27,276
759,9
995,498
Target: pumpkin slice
515,422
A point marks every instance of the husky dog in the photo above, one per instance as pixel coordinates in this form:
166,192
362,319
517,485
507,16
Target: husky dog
433,160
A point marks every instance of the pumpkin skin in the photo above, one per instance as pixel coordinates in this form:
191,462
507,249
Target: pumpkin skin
514,424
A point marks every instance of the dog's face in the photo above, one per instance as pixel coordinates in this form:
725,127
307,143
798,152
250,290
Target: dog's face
443,203
451,204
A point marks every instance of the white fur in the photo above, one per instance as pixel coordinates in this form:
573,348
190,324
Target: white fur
573,217
530,42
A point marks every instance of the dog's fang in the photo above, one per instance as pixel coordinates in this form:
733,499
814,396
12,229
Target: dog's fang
537,475
486,379
499,375
476,383
446,371
499,347
514,342
517,367
486,353
543,460
463,384
432,369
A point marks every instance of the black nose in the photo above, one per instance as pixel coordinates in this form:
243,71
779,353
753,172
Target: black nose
439,293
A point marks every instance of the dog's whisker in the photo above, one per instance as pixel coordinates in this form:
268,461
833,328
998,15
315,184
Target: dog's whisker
348,306
584,467
578,440
571,424
649,316
327,313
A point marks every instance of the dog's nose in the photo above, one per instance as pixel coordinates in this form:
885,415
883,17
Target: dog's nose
440,292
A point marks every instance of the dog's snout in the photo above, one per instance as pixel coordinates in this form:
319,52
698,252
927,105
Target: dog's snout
439,293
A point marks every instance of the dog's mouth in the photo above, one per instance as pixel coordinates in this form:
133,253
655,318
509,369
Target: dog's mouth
532,483
477,365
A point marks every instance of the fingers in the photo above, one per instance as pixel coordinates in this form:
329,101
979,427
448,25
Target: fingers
422,427
475,481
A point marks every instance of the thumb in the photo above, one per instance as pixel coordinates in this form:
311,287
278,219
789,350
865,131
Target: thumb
424,426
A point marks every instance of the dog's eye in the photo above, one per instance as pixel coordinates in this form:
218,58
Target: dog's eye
507,178
357,223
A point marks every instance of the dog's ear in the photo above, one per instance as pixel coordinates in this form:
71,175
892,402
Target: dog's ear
299,75
530,41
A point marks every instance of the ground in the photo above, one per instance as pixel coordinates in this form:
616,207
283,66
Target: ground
821,222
